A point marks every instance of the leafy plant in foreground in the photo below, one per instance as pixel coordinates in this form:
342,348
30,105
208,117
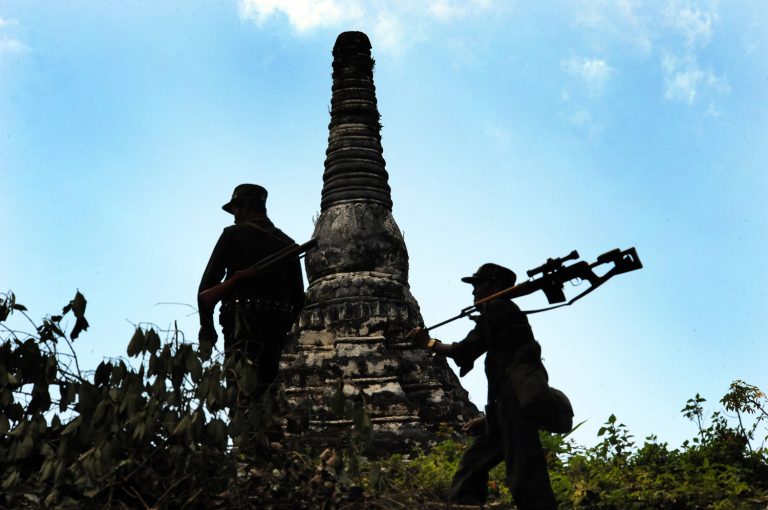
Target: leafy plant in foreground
161,429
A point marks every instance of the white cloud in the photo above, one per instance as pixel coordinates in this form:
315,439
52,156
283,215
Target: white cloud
500,133
585,121
685,81
393,24
581,118
388,32
445,10
8,45
594,72
609,21
682,85
303,14
693,20
674,32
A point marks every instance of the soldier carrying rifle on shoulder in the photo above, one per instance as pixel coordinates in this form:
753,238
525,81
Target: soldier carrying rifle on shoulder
518,395
520,400
257,313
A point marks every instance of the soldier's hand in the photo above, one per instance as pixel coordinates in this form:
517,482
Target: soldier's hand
474,426
418,337
207,338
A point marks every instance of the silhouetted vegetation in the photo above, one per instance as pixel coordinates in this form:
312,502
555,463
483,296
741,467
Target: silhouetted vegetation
156,430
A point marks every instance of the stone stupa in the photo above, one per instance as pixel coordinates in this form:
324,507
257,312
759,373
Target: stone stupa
359,306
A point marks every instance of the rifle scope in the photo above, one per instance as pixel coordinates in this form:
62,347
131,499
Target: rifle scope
552,264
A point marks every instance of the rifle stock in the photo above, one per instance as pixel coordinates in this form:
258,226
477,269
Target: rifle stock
207,300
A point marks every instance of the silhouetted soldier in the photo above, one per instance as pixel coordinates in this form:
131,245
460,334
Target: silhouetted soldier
514,369
257,317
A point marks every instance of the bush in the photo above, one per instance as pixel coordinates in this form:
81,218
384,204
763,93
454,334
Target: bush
168,433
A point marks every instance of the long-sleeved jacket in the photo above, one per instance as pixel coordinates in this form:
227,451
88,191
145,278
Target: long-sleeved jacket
244,244
502,332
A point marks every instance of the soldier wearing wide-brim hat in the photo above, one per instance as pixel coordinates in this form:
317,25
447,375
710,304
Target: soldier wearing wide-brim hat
257,317
517,388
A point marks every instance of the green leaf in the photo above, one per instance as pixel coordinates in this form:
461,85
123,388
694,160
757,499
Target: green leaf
78,308
217,431
91,493
152,340
47,470
118,372
25,448
20,429
102,373
136,345
98,414
194,366
60,471
182,426
138,432
5,310
71,427
10,480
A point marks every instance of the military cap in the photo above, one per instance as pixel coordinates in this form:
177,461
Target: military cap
492,273
251,192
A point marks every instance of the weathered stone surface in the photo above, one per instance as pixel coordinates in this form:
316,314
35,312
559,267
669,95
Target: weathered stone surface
359,305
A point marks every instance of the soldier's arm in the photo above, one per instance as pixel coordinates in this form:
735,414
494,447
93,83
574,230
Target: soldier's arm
216,268
464,353
213,274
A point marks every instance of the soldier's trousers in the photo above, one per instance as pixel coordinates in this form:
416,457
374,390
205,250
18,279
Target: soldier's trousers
510,437
258,336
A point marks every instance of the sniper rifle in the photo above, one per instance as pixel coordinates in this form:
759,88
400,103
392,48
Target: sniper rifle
554,274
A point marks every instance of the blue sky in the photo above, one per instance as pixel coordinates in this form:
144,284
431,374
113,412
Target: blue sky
513,132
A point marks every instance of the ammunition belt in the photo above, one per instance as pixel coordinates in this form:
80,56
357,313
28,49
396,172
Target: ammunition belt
256,304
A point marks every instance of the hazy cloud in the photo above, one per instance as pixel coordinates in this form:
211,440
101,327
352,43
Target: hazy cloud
594,72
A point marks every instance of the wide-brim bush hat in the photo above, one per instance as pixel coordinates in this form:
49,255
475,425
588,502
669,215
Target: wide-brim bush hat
251,192
491,272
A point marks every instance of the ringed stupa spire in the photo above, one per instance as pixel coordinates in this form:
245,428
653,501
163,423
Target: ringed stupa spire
354,165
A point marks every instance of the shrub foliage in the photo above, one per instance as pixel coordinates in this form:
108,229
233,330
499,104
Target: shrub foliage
162,429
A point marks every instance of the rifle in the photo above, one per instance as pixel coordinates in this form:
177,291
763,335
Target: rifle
206,300
554,274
